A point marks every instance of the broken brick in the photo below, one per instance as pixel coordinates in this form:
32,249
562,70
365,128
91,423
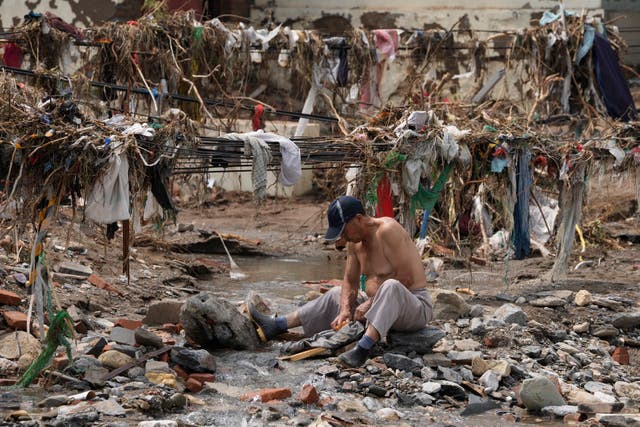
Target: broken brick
308,394
171,327
193,385
128,323
621,355
9,298
180,372
267,394
203,377
16,319
100,283
60,362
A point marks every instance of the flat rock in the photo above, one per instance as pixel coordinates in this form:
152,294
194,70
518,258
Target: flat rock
431,387
628,390
605,332
110,408
215,323
27,343
477,326
466,345
165,311
463,357
626,320
538,392
68,267
123,335
147,338
560,411
449,375
193,360
448,305
550,301
114,359
403,363
511,313
476,408
618,420
564,294
436,359
421,341
608,303
593,386
452,389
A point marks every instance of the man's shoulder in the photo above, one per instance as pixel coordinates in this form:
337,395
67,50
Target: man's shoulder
389,226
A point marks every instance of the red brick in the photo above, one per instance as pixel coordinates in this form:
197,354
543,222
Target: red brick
5,382
16,319
193,385
621,355
170,327
203,377
60,362
180,372
325,401
164,357
267,394
129,323
308,394
9,298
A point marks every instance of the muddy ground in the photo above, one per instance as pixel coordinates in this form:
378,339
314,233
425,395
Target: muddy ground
288,237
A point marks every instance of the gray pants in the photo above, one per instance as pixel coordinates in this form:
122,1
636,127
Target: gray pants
394,307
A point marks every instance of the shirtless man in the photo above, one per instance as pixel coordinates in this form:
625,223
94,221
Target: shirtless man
382,261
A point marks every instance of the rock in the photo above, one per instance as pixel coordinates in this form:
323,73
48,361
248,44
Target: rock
158,423
431,387
136,372
8,367
128,323
147,338
53,401
129,350
308,395
490,381
564,294
215,323
9,298
123,336
161,312
463,323
477,326
476,310
389,414
560,411
621,420
403,363
83,416
351,405
448,305
421,341
193,360
500,367
165,378
371,403
583,298
27,343
15,319
380,391
511,313
193,385
475,408
452,389
114,359
628,390
538,392
532,351
581,328
436,359
267,394
605,332
626,320
68,267
463,357
94,375
593,386
449,375
156,366
424,399
466,345
549,301
110,408
577,396
608,303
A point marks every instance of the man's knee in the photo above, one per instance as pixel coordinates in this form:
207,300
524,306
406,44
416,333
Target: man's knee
390,286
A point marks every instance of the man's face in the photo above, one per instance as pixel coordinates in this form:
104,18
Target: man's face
349,233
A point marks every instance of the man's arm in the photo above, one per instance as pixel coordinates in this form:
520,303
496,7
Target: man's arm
349,292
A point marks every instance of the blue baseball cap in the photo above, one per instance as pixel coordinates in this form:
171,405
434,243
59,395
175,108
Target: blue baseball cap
341,211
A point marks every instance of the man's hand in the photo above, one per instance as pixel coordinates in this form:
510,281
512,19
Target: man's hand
340,320
361,310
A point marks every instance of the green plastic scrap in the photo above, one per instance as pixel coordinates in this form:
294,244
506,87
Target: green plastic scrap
489,128
427,199
393,158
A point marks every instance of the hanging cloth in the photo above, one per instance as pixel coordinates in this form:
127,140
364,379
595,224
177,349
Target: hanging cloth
613,86
427,199
13,55
384,207
520,236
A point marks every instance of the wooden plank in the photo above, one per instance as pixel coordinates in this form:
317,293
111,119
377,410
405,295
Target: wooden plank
305,354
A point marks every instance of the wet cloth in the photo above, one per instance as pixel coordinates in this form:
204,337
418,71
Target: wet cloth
108,201
290,163
261,153
328,339
394,307
385,199
613,86
521,237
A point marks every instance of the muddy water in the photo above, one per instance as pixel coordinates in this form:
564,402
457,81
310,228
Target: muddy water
280,281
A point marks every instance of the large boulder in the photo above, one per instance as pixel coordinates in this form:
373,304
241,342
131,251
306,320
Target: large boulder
448,305
538,392
421,341
215,323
